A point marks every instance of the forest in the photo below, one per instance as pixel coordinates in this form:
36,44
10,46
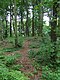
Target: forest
29,39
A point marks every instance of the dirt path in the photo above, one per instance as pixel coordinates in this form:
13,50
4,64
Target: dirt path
27,63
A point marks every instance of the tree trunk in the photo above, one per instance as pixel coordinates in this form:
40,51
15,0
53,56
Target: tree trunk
58,19
33,21
53,34
6,28
15,14
10,19
54,23
27,29
40,14
22,26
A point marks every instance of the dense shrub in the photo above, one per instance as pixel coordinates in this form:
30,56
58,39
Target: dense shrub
46,51
5,74
48,74
8,70
11,59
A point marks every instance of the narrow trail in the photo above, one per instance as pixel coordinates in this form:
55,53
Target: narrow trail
27,63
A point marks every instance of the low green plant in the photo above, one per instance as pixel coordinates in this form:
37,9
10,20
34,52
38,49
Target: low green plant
4,50
11,59
32,53
5,74
8,70
20,41
29,74
34,45
17,75
49,74
46,51
17,67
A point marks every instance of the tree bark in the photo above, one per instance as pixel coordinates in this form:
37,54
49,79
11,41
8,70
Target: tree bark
15,14
53,34
27,29
6,28
10,19
33,21
54,23
22,26
40,15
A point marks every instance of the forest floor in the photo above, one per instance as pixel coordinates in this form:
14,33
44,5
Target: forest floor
23,58
28,68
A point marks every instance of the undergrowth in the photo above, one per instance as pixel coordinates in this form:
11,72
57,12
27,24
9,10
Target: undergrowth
9,69
42,58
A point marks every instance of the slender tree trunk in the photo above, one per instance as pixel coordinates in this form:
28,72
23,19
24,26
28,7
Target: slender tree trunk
13,17
40,13
6,28
22,26
59,18
19,29
33,22
53,34
15,14
54,23
10,19
27,29
50,16
13,24
41,27
2,29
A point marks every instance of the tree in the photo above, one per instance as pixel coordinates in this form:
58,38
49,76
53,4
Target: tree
54,22
15,14
33,4
10,18
27,12
40,14
53,32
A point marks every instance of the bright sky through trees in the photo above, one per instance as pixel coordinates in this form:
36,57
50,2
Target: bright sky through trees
46,19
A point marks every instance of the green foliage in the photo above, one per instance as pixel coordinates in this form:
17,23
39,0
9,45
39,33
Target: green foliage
17,67
9,70
5,74
11,40
8,44
10,59
2,56
17,75
20,41
35,42
46,29
48,74
46,50
32,54
9,49
34,45
58,50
